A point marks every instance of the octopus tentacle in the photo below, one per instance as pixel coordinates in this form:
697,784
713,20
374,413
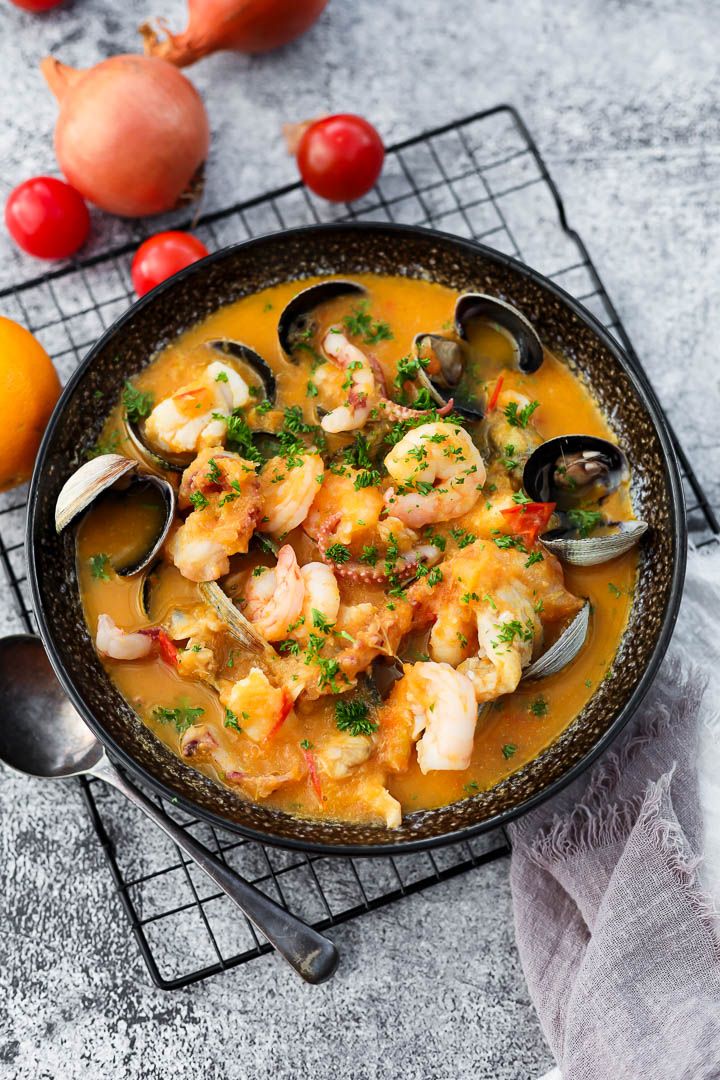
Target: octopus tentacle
401,412
353,571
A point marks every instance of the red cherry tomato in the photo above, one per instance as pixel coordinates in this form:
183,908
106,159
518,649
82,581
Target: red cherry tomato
47,218
340,157
36,5
161,256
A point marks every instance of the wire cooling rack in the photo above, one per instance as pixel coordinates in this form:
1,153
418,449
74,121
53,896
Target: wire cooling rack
481,177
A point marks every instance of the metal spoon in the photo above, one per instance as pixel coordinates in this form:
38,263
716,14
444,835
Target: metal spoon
42,735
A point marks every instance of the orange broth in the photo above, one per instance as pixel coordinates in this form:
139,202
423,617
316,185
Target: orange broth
516,727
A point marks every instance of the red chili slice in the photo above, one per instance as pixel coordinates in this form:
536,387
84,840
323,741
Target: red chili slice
168,650
528,520
313,773
495,394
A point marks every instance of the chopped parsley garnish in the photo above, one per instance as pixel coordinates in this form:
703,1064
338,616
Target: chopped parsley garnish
354,716
182,717
198,500
614,589
471,787
320,622
508,750
221,376
305,744
468,596
311,389
506,541
367,478
534,557
369,555
214,475
338,553
585,520
239,436
258,571
538,707
138,403
511,630
408,368
462,537
360,324
231,720
520,417
508,460
521,498
357,453
328,670
98,564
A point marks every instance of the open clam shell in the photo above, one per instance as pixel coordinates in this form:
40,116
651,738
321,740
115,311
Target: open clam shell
564,650
591,550
471,307
451,357
574,469
99,475
241,357
247,357
241,628
296,322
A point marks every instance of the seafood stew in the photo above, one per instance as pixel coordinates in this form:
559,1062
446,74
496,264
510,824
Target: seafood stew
402,554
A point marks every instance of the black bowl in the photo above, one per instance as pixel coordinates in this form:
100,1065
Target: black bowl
563,325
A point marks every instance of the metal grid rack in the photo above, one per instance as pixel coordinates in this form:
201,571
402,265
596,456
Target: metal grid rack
481,177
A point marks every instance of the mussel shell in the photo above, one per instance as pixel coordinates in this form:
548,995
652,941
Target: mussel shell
564,650
98,475
296,315
539,474
472,306
593,550
237,350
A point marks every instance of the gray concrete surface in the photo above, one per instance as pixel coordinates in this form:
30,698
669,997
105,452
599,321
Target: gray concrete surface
622,97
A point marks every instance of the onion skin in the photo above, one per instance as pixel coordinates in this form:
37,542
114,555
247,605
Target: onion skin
131,135
248,26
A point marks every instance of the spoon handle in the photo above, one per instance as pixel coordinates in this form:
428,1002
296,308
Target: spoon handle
313,956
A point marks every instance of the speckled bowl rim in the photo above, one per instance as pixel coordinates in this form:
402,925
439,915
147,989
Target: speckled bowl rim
647,397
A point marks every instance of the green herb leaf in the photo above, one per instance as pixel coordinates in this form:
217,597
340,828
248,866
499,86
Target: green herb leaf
138,403
182,716
353,716
98,564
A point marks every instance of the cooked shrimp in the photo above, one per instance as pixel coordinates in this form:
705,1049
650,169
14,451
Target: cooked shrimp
506,634
322,596
442,702
439,474
287,492
274,598
195,414
260,707
225,492
355,410
118,644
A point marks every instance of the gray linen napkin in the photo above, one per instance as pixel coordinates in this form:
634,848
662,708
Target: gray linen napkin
616,928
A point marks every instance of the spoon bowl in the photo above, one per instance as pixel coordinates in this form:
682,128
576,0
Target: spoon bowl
43,736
